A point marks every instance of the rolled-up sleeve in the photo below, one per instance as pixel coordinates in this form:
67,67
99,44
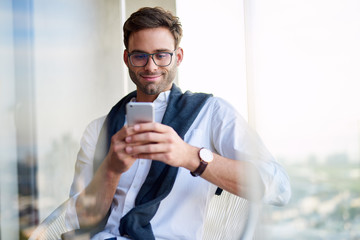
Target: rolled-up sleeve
276,182
233,138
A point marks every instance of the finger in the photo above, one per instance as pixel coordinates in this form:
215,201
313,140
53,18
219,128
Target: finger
148,149
123,133
151,127
147,137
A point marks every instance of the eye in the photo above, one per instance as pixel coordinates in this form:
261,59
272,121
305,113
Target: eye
139,56
161,55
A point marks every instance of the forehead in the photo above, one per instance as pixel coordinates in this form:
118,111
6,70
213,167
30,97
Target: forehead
152,39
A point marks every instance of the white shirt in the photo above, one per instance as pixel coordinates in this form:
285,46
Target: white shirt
181,214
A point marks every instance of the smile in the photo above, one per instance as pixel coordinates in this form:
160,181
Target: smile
151,77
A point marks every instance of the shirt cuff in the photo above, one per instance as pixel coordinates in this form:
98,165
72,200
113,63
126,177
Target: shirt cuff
277,190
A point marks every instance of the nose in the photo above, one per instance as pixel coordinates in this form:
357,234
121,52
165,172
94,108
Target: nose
151,66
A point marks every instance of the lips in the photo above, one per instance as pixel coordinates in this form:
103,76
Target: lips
151,77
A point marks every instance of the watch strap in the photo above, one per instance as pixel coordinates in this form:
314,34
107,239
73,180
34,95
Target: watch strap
200,169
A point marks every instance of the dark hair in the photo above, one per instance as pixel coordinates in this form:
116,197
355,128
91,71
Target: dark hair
148,17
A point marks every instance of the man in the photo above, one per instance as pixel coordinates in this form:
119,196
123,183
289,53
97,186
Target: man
117,184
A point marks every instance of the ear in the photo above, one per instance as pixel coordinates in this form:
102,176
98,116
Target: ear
126,58
179,55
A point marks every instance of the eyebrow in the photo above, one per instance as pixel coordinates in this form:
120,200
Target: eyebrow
157,50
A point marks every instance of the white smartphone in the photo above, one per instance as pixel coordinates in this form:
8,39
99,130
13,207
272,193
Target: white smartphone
139,112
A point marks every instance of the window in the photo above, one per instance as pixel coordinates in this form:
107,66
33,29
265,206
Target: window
304,84
57,60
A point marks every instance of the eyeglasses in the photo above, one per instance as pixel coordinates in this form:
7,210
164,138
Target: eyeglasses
161,59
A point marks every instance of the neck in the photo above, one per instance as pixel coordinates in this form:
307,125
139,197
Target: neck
141,97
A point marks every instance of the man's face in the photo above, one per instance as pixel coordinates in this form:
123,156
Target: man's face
152,79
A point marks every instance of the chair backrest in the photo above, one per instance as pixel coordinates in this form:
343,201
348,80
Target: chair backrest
231,217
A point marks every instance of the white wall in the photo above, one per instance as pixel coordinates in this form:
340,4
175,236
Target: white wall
214,49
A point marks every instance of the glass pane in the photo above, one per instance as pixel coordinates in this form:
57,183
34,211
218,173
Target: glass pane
305,90
58,72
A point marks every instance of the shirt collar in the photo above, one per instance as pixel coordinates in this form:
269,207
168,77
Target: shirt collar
162,100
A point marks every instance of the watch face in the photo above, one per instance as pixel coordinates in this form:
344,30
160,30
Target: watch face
206,155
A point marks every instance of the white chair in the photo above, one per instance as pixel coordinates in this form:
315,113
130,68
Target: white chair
229,217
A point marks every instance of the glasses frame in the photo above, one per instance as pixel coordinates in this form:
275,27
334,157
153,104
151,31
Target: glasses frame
152,56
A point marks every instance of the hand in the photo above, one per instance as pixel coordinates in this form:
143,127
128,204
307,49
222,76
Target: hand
160,142
118,160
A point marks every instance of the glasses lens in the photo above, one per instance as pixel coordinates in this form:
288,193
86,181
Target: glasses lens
162,59
139,59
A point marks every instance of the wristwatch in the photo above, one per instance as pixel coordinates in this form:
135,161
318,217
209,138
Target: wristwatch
206,156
